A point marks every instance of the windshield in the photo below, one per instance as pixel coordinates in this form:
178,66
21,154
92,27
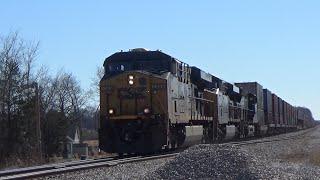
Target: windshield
157,67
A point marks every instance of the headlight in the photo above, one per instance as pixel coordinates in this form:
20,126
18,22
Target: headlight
130,79
111,111
146,110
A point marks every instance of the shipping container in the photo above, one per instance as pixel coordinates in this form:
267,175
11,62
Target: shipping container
275,109
294,116
256,89
267,104
280,101
295,119
285,112
291,114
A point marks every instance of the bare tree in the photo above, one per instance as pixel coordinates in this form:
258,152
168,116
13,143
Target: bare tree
95,86
70,97
16,99
62,100
28,57
47,89
97,78
28,98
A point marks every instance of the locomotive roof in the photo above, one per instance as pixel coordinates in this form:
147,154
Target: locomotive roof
138,55
141,54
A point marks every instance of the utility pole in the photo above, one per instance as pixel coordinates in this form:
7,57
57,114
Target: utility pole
38,119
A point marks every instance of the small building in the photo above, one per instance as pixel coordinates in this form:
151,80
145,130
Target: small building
74,135
73,146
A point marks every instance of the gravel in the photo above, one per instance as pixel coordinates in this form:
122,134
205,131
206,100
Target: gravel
209,161
291,159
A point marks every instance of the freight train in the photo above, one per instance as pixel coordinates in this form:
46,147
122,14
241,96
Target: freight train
151,101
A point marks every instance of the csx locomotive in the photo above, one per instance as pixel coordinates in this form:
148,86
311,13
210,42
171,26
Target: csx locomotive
151,101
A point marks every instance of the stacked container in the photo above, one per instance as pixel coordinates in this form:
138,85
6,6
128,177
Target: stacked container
290,115
295,119
267,104
280,101
285,113
275,109
290,112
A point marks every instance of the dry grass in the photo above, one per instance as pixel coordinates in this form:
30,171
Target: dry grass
314,158
299,157
295,157
18,162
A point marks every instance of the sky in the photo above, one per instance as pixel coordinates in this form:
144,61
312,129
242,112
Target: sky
276,43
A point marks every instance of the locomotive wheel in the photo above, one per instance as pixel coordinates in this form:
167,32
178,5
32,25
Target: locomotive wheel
173,144
207,134
173,138
177,136
181,135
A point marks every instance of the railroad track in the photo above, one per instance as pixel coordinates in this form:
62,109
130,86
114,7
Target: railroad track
53,169
45,170
271,139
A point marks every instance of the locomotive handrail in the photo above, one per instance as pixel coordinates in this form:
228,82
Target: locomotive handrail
202,99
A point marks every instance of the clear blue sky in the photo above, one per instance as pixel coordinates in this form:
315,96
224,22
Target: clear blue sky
276,43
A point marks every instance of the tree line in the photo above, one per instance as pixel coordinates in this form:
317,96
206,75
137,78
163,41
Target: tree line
36,108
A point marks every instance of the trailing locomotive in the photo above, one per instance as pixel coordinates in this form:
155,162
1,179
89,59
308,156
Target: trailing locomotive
151,101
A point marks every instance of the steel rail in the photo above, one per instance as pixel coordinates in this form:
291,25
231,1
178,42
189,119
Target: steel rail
270,139
82,166
52,166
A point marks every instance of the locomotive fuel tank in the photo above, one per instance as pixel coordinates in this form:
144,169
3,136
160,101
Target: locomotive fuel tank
194,135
